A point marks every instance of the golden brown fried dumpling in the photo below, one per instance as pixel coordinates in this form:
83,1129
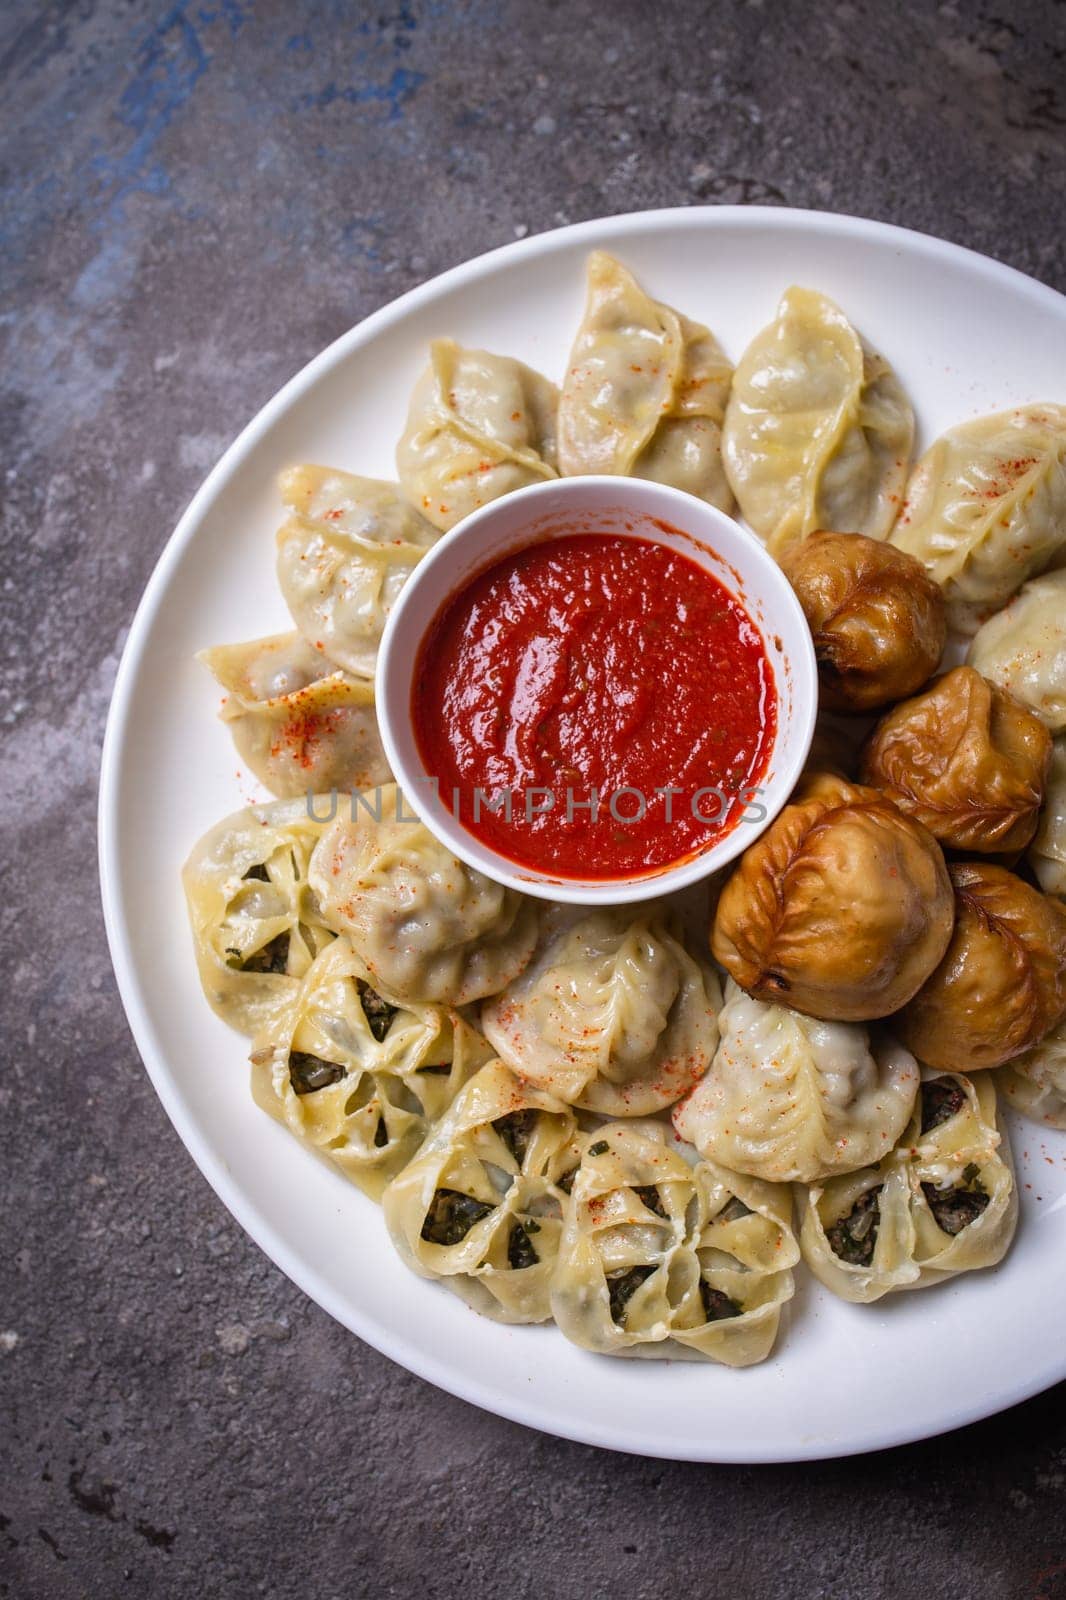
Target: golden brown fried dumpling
966,759
841,910
1047,854
1002,983
878,622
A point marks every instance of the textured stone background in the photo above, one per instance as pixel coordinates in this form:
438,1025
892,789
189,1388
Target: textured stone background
197,197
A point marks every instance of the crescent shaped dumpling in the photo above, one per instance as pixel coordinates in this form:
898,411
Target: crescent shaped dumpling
986,508
480,1208
790,1099
1047,853
664,1255
343,555
612,1015
256,925
1023,649
479,426
818,430
943,1201
427,927
645,390
355,1077
298,724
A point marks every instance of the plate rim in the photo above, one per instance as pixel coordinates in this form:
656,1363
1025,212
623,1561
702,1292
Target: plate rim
247,1214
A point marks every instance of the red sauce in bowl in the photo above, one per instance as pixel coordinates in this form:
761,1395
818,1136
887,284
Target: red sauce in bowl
595,706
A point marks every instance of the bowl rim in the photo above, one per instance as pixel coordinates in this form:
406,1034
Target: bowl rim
696,520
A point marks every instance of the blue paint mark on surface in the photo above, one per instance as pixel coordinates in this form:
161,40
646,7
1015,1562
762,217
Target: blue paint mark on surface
394,94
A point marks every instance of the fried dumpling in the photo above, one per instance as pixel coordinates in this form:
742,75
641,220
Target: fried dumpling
1047,853
791,1099
818,430
1023,649
645,390
343,556
986,508
479,426
428,927
666,1255
612,1014
300,725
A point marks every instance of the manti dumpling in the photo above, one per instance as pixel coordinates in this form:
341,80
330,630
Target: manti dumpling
645,390
481,1205
479,426
818,430
343,556
791,1099
612,1014
355,1077
427,927
1023,648
1035,1083
299,724
944,1201
1047,854
986,508
966,759
256,924
666,1255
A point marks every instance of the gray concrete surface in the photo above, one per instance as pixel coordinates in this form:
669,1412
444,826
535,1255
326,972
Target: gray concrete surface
197,197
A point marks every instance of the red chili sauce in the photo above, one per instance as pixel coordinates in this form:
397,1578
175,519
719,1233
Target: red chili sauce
587,674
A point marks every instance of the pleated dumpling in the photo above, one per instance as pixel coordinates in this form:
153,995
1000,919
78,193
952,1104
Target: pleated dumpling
427,927
818,430
355,1077
347,549
986,508
612,1014
1023,649
1047,853
1035,1083
791,1099
256,925
666,1255
480,1208
479,426
645,390
298,723
944,1201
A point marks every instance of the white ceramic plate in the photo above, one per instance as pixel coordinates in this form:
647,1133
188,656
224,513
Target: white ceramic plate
966,336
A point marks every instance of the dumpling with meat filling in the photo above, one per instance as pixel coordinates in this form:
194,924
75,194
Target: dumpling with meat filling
665,1255
355,1077
966,759
943,1201
1035,1082
479,426
818,430
256,924
791,1099
986,508
612,1014
1023,649
480,1208
1047,854
427,927
298,724
1002,983
346,551
645,390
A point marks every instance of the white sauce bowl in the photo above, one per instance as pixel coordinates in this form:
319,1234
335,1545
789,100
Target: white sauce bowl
631,507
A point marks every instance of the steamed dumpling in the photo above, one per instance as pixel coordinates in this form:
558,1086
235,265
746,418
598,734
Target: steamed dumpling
426,926
818,431
613,1015
300,725
1047,854
479,426
1035,1083
794,1100
1023,649
645,390
665,1255
986,508
355,1077
343,557
256,925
